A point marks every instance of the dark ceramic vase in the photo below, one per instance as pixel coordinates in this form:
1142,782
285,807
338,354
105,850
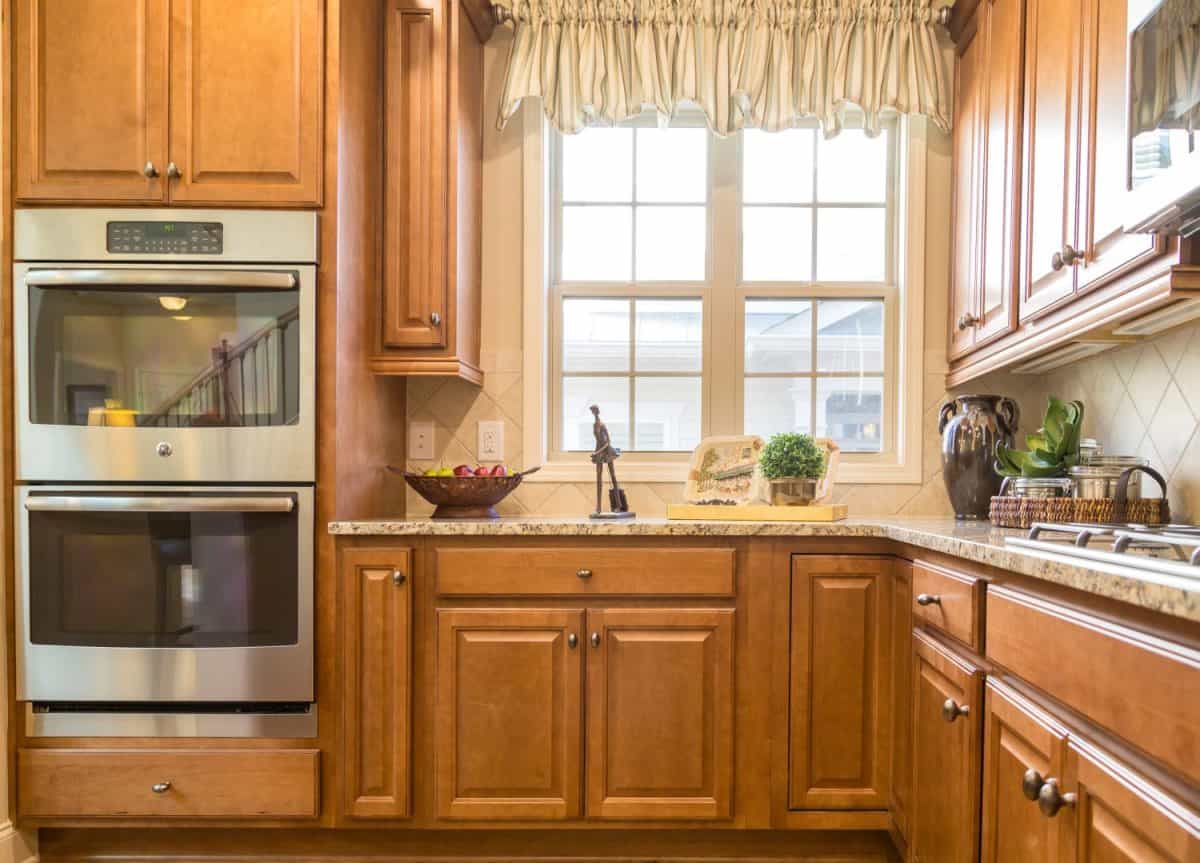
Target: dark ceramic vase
971,426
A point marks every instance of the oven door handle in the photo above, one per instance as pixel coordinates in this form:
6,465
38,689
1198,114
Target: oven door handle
97,503
195,279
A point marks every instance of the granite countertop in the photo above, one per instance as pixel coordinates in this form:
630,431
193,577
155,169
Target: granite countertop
979,542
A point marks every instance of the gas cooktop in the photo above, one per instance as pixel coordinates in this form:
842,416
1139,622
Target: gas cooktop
1172,549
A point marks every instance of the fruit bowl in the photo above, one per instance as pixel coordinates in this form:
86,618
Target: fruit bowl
463,496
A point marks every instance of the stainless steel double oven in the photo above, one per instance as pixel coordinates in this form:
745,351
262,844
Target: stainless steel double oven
165,452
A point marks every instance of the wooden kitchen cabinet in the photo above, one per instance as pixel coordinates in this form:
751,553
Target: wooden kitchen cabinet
239,86
946,717
509,724
900,802
90,96
1023,748
660,727
431,103
840,678
376,684
986,139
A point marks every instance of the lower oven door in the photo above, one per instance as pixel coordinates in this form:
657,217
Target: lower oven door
164,594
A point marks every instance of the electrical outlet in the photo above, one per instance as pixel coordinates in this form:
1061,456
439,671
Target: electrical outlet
491,441
420,441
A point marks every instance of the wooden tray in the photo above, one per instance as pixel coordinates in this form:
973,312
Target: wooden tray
756,512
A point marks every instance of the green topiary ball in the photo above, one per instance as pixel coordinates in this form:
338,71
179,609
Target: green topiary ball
792,455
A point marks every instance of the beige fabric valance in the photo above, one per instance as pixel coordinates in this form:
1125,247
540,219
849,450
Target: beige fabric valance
760,63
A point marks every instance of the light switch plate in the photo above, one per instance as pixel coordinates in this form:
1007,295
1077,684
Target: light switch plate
420,441
491,441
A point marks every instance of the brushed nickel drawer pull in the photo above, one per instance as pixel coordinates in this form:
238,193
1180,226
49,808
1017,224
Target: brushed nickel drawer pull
584,573
1050,800
161,787
951,710
928,599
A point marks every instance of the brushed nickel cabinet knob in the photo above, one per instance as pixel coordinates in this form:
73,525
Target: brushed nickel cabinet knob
951,710
161,787
572,641
398,577
173,170
1071,255
1031,784
969,320
149,170
928,599
1050,799
1057,262
595,639
435,318
584,573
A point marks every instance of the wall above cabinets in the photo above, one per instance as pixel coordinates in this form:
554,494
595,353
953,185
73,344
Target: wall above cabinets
1043,270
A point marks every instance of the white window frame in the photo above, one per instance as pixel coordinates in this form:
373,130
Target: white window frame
904,290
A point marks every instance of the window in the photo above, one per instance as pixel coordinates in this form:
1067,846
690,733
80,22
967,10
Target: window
695,286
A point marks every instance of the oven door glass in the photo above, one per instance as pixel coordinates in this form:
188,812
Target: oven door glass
163,348
1164,85
146,571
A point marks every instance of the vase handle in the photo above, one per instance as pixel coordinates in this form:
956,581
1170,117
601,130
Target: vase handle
1010,414
945,414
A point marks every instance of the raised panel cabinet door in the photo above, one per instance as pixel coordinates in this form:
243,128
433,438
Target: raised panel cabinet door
1113,814
967,201
509,713
247,93
1003,25
1022,750
840,677
415,174
900,802
1104,149
946,716
90,84
376,681
1050,154
660,714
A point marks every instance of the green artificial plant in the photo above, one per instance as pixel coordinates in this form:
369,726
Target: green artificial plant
792,455
1052,449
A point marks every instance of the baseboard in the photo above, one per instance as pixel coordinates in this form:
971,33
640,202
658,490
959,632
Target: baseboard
17,846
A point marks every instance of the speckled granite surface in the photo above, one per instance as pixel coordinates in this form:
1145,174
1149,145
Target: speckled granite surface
981,543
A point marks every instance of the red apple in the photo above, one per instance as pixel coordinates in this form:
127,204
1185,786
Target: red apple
480,470
463,470
499,470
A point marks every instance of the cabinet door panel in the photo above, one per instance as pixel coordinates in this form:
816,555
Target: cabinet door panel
415,242
969,69
1105,148
376,680
247,87
1120,817
509,699
946,755
1050,152
1017,738
660,714
902,665
839,672
91,99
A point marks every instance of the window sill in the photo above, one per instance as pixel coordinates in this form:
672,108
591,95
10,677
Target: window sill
671,472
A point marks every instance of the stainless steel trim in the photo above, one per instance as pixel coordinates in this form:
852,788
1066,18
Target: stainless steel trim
84,503
63,453
167,724
129,276
51,672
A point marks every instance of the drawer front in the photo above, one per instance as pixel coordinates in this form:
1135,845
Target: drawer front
949,602
61,783
1137,686
582,571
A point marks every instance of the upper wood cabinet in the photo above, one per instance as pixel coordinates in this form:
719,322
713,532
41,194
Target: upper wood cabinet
239,86
946,721
660,714
840,680
376,680
509,723
987,130
431,62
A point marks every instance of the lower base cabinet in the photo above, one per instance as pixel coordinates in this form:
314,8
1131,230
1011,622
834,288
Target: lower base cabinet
511,722
946,727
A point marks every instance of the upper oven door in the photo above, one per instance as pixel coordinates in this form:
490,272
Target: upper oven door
164,373
1164,112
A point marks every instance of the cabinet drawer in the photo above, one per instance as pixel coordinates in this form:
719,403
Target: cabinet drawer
582,571
949,602
266,783
1137,686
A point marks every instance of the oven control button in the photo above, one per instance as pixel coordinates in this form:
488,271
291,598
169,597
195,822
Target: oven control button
164,449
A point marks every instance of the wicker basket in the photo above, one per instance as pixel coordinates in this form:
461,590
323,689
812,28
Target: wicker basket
1025,511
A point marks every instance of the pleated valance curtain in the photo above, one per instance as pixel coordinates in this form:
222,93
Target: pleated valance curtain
759,63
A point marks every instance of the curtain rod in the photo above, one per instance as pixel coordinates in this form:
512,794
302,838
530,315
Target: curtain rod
503,14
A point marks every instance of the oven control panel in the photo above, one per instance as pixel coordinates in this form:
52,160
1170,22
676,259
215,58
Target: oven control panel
165,238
